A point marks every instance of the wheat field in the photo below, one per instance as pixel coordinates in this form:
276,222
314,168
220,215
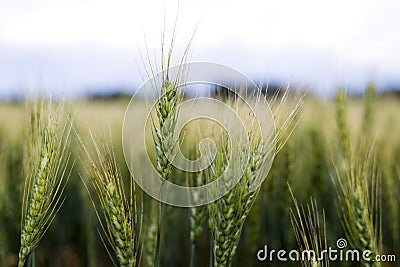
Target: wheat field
338,173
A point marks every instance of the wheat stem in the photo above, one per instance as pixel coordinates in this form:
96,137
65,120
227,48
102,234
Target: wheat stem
158,236
192,254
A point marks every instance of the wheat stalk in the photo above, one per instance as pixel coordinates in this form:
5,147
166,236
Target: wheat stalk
45,166
150,230
309,232
358,190
369,103
228,214
357,186
389,198
151,242
122,215
198,214
221,215
341,120
170,94
359,208
197,218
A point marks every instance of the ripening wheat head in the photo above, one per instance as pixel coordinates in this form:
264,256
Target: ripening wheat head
46,164
310,234
122,214
228,214
358,195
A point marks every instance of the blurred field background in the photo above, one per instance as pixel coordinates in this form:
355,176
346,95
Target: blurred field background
306,163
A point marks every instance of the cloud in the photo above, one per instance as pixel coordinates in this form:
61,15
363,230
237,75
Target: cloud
305,40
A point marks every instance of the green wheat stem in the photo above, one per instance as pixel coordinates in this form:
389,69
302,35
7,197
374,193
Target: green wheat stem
159,222
33,259
151,234
192,254
211,255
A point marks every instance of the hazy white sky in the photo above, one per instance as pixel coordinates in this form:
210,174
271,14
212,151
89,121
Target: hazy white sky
73,45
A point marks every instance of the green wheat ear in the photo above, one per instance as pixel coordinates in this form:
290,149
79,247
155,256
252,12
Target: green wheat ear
358,188
122,214
310,232
228,214
46,173
359,205
170,94
341,120
369,104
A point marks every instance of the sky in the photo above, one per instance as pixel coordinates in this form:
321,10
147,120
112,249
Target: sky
77,47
